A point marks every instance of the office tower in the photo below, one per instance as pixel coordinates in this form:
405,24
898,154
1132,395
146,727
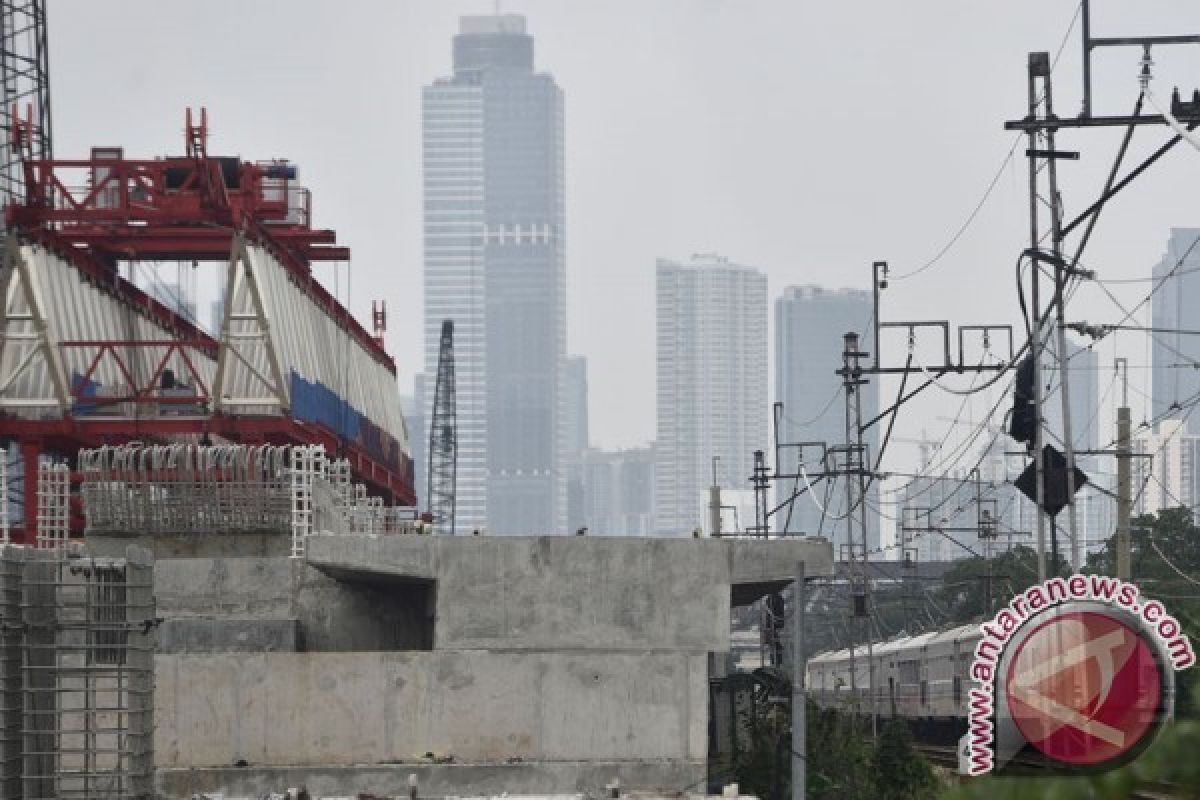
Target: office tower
712,384
1166,475
173,294
618,491
1176,306
494,263
216,315
418,439
1083,372
809,325
575,406
575,435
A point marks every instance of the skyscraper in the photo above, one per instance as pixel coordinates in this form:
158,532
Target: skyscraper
494,263
712,384
575,436
809,325
618,491
1083,371
1176,305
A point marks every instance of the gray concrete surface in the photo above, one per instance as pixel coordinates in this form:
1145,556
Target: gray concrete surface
573,593
226,635
332,709
331,615
184,545
438,780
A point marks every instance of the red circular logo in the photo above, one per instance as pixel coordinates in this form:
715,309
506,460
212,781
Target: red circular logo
1084,688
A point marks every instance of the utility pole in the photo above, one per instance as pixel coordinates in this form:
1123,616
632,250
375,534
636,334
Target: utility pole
1039,66
799,695
1042,127
856,509
1124,484
1061,275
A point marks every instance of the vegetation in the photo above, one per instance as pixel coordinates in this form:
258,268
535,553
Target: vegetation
843,761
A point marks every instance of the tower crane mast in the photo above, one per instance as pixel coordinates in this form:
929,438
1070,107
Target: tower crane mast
443,437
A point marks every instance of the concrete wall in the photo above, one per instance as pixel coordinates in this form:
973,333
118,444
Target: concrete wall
573,593
230,594
336,709
438,780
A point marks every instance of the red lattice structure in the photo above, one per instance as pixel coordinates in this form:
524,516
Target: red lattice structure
87,358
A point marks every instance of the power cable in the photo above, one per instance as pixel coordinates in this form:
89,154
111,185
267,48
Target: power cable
962,229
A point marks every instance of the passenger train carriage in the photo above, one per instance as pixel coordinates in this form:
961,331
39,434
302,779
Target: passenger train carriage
924,677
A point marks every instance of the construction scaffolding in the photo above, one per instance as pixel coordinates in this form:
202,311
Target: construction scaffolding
76,675
230,489
54,506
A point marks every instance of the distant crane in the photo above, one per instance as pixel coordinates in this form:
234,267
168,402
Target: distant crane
25,83
443,437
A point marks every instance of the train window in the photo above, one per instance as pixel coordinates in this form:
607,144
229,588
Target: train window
910,672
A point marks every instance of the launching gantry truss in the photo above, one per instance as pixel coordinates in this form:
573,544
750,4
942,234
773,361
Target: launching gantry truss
88,359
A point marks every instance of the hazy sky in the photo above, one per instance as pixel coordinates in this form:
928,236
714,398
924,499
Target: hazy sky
807,139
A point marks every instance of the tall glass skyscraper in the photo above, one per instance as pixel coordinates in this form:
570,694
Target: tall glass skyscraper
1176,305
494,263
809,325
712,385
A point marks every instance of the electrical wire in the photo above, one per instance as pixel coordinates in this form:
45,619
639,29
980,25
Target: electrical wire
962,229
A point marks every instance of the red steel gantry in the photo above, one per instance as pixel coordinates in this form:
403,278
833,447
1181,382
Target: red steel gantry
87,358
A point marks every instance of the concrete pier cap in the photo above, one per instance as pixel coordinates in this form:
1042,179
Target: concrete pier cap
575,592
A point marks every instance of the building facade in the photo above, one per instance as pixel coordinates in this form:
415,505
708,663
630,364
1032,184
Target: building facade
810,322
711,373
618,491
575,433
1176,305
1165,475
494,263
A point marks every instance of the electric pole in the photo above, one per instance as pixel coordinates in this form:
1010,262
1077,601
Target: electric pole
1124,484
1039,65
855,469
799,695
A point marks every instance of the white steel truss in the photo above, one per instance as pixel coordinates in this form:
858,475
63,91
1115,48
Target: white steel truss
27,336
249,371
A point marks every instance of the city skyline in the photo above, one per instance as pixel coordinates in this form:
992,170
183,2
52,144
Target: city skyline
727,160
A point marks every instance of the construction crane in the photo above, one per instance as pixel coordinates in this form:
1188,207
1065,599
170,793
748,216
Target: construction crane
24,76
443,437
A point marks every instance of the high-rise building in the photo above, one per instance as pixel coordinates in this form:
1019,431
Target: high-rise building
1166,476
712,384
1083,371
175,295
575,406
418,439
575,435
1176,306
494,263
809,325
618,491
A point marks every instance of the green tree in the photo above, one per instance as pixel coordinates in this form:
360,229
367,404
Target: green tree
1165,564
964,589
899,771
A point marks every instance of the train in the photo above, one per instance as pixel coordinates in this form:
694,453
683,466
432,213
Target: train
924,679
